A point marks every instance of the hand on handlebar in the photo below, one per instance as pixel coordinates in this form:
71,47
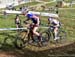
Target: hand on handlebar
25,22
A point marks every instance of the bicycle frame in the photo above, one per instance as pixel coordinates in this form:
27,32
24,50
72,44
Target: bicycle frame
22,38
50,31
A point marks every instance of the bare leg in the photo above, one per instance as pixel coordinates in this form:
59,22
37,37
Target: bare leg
39,36
55,33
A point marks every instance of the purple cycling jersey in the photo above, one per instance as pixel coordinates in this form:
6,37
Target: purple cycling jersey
30,16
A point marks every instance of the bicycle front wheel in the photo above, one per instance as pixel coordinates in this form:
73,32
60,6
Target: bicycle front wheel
21,40
19,43
62,36
45,36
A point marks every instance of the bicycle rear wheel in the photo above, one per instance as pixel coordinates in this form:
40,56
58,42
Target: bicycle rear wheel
21,40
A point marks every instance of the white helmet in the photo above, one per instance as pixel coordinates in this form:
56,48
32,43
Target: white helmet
25,11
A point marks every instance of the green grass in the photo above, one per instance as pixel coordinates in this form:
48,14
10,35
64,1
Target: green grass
46,0
54,3
73,6
67,18
67,0
51,4
29,4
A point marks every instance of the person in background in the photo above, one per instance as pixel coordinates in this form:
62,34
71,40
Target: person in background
17,21
54,23
57,9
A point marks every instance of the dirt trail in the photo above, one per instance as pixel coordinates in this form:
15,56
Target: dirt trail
68,50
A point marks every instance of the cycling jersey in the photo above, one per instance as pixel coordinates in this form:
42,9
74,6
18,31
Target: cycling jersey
54,22
30,16
34,20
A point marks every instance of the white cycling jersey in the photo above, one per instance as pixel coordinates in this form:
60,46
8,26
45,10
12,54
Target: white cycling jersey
54,22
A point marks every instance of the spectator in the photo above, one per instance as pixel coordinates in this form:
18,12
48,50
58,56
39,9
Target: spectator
18,21
56,9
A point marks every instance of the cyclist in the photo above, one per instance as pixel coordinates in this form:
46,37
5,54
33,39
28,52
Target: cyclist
55,24
35,24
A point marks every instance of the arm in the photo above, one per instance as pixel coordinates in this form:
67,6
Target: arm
26,24
26,21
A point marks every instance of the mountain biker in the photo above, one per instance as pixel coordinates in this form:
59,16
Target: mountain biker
35,24
55,24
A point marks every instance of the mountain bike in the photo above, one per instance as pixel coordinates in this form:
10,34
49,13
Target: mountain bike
26,35
49,33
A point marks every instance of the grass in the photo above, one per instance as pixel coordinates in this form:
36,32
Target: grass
67,0
51,4
68,21
46,0
28,4
73,6
54,3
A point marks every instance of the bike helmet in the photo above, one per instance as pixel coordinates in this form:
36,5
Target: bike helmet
29,15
